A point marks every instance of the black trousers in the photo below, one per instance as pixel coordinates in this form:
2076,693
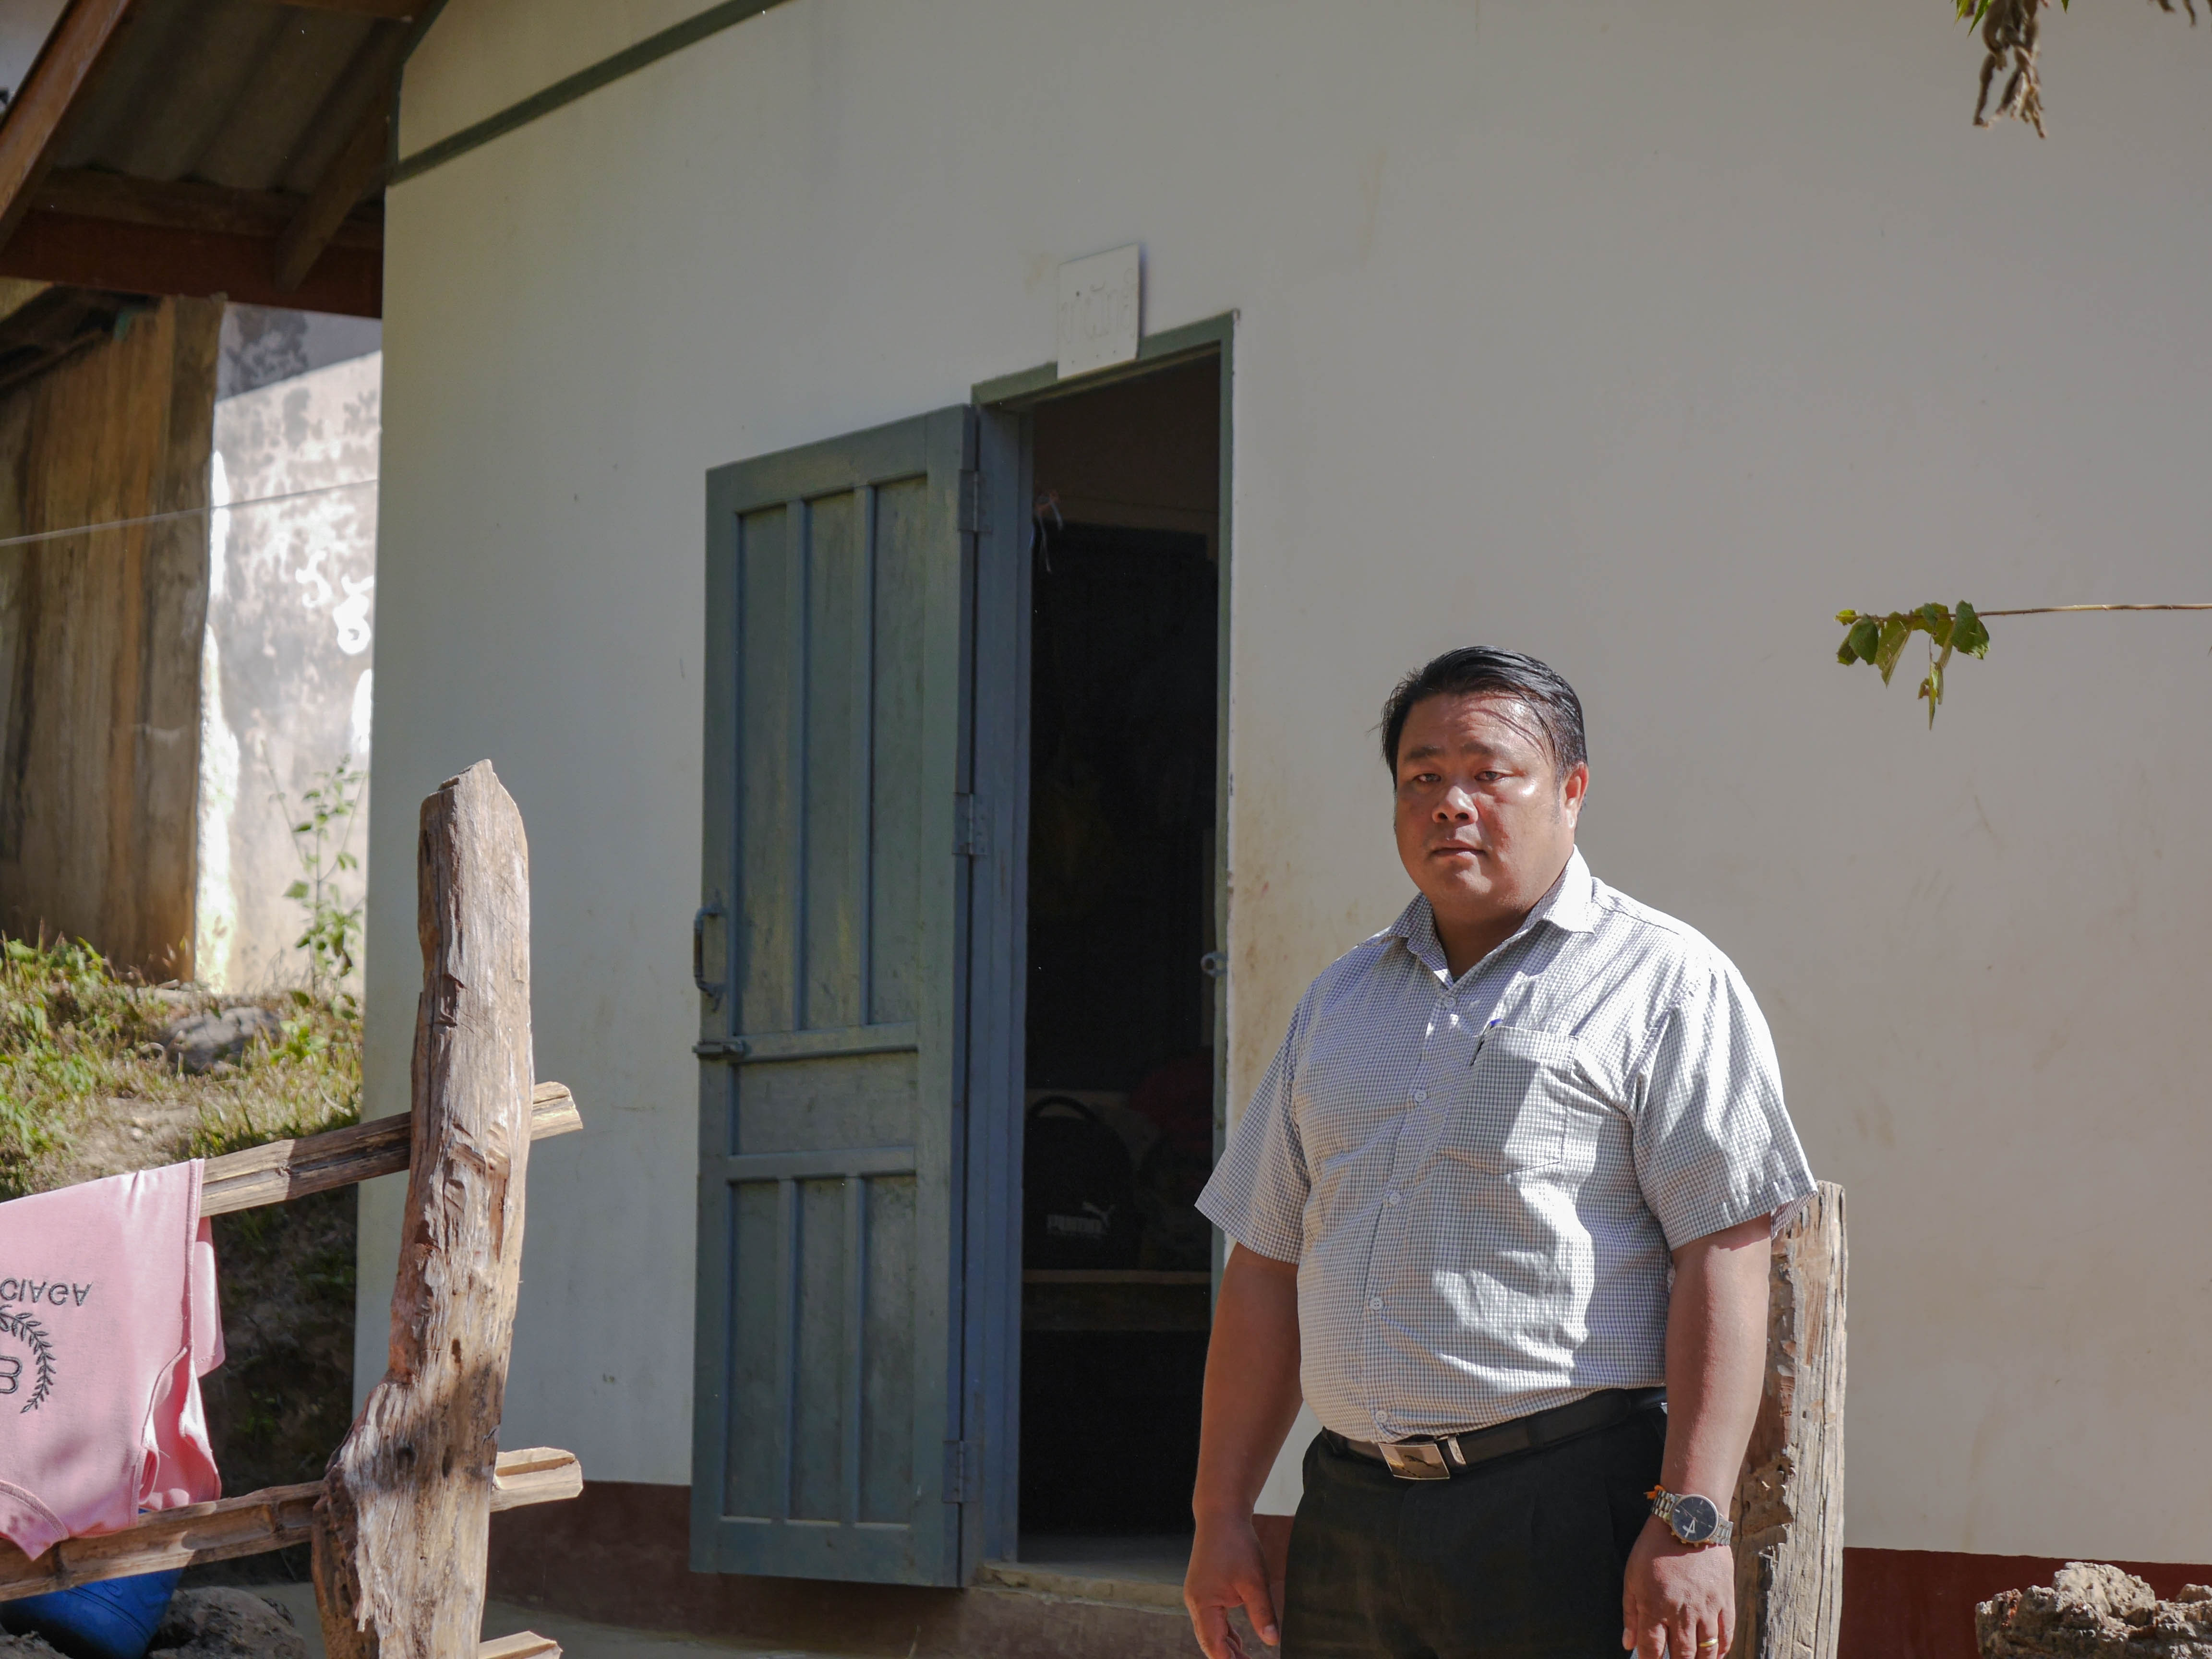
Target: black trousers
1520,1557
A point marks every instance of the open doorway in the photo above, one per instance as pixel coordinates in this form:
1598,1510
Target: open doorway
1121,954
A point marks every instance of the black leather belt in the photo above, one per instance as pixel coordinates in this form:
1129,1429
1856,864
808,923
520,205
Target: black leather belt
1455,1454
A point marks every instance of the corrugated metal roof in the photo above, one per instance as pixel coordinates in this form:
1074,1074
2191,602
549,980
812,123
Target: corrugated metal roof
245,94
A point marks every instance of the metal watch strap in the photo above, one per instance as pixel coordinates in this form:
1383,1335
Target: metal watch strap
1662,1506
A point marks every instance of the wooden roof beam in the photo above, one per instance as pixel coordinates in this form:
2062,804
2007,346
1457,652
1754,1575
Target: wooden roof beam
31,131
356,167
126,256
396,11
189,204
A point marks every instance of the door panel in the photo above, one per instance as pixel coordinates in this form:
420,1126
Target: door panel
839,583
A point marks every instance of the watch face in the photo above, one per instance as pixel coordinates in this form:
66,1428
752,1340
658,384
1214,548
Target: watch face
1695,1519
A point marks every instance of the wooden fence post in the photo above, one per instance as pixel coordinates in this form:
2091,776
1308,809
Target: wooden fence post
400,1531
1788,1506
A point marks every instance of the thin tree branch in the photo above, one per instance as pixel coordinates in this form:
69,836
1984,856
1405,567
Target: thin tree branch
2053,610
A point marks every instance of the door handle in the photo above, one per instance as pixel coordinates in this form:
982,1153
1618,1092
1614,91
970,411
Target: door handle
711,989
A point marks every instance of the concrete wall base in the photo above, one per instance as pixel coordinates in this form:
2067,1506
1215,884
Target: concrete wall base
619,1554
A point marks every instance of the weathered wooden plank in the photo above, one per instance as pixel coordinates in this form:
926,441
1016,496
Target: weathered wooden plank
108,628
540,1474
832,786
899,551
765,929
285,1169
400,1531
253,1524
1789,1507
527,1644
32,130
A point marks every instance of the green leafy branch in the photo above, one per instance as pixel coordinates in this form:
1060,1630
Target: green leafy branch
1881,639
333,931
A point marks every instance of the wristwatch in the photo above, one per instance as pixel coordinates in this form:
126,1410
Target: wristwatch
1692,1519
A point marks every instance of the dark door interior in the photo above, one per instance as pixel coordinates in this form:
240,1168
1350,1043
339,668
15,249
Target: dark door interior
1118,1106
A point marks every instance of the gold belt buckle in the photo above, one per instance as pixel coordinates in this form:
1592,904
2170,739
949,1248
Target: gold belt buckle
1415,1459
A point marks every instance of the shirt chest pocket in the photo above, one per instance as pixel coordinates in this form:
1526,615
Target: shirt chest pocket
1528,1104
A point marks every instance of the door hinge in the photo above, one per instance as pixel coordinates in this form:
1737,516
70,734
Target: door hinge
973,513
972,825
963,1471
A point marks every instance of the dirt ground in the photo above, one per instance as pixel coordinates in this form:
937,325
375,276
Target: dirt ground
111,1134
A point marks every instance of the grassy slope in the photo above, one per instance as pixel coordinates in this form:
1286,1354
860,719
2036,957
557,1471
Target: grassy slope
84,1093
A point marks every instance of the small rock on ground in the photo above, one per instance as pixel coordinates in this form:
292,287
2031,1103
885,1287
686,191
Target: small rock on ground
2095,1612
202,1043
24,1647
222,1623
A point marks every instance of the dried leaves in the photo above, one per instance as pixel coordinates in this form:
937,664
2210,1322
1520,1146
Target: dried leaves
2012,31
2012,34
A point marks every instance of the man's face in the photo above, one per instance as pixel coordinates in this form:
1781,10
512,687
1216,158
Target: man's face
1485,821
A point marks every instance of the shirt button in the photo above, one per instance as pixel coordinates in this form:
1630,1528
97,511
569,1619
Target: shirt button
1396,1199
1421,1094
1375,1304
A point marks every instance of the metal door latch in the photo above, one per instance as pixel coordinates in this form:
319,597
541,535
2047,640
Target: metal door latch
712,910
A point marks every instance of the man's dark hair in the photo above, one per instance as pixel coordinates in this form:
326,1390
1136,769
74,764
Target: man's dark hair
1474,669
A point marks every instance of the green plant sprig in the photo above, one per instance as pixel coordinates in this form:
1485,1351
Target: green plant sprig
1881,640
333,929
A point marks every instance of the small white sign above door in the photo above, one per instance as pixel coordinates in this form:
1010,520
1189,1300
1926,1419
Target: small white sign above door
1100,300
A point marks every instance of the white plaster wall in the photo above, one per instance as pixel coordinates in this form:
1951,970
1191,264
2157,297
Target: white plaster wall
285,658
1643,338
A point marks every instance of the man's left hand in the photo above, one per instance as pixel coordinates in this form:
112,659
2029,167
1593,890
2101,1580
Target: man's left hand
1679,1601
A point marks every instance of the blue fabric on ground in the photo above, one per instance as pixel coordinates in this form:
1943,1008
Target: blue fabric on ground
114,1619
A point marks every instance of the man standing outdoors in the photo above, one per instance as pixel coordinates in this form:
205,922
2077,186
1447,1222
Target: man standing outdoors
1509,1181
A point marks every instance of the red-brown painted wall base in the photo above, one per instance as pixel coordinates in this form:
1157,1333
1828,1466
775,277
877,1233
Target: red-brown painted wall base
1919,1604
620,1554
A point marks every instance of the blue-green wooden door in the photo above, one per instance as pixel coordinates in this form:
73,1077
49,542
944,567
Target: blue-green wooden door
832,958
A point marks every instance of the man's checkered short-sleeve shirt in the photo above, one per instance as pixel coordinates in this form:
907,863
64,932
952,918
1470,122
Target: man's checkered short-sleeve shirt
1481,1180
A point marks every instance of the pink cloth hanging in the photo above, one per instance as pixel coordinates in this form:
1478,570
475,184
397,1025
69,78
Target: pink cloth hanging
108,1319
